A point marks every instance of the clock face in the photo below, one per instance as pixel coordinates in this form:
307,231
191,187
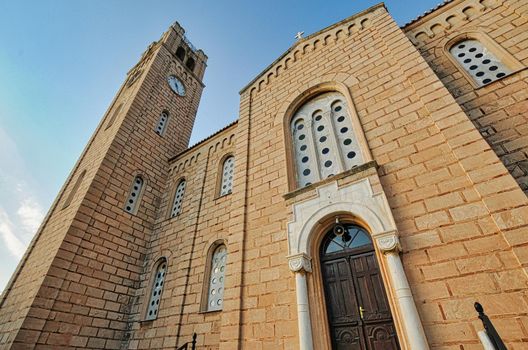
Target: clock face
176,85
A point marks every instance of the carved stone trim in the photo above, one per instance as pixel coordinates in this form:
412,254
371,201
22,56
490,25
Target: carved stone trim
388,242
356,170
313,42
300,262
453,15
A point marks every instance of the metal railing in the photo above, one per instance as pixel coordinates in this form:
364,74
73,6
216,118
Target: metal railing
192,344
492,333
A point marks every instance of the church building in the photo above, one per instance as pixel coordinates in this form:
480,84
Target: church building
372,190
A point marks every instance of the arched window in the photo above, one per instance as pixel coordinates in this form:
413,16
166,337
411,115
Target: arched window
478,61
178,199
215,298
132,202
324,143
190,63
156,290
353,237
228,169
162,123
180,53
114,115
74,190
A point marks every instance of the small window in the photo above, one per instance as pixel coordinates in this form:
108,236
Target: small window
215,297
132,202
228,170
180,53
156,290
74,190
178,199
190,63
162,123
481,64
114,116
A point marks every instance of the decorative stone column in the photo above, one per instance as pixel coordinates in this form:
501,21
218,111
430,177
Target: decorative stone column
389,245
301,264
485,340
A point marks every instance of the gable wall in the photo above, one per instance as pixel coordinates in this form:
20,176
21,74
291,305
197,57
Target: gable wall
450,194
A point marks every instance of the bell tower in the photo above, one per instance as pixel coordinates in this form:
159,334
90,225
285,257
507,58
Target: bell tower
74,284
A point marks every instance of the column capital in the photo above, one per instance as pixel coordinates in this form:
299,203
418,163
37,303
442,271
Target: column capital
388,242
300,262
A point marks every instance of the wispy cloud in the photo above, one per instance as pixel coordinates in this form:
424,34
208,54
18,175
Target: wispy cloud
30,214
20,211
16,230
12,242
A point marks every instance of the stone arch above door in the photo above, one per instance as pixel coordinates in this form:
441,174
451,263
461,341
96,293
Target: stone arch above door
357,199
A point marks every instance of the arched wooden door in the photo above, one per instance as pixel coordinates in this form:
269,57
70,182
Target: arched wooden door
358,310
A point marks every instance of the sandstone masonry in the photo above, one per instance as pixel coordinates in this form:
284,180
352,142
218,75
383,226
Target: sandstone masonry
440,193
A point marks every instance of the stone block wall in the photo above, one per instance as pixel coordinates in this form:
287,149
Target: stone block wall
498,110
185,241
456,206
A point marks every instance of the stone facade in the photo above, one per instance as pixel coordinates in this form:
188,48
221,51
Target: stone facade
497,110
447,218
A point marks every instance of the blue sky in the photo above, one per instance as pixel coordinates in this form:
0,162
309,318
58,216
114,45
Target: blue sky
61,62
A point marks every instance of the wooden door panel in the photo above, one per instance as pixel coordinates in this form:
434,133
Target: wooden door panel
339,286
382,304
370,291
372,262
347,338
352,279
381,336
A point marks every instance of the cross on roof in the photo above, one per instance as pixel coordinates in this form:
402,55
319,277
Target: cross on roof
299,35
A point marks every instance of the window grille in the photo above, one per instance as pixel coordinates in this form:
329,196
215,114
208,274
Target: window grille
478,62
324,143
178,199
217,278
162,123
228,170
157,288
133,197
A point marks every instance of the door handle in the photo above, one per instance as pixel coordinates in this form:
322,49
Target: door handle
361,310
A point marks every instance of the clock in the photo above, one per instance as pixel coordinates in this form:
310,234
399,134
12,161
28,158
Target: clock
176,85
